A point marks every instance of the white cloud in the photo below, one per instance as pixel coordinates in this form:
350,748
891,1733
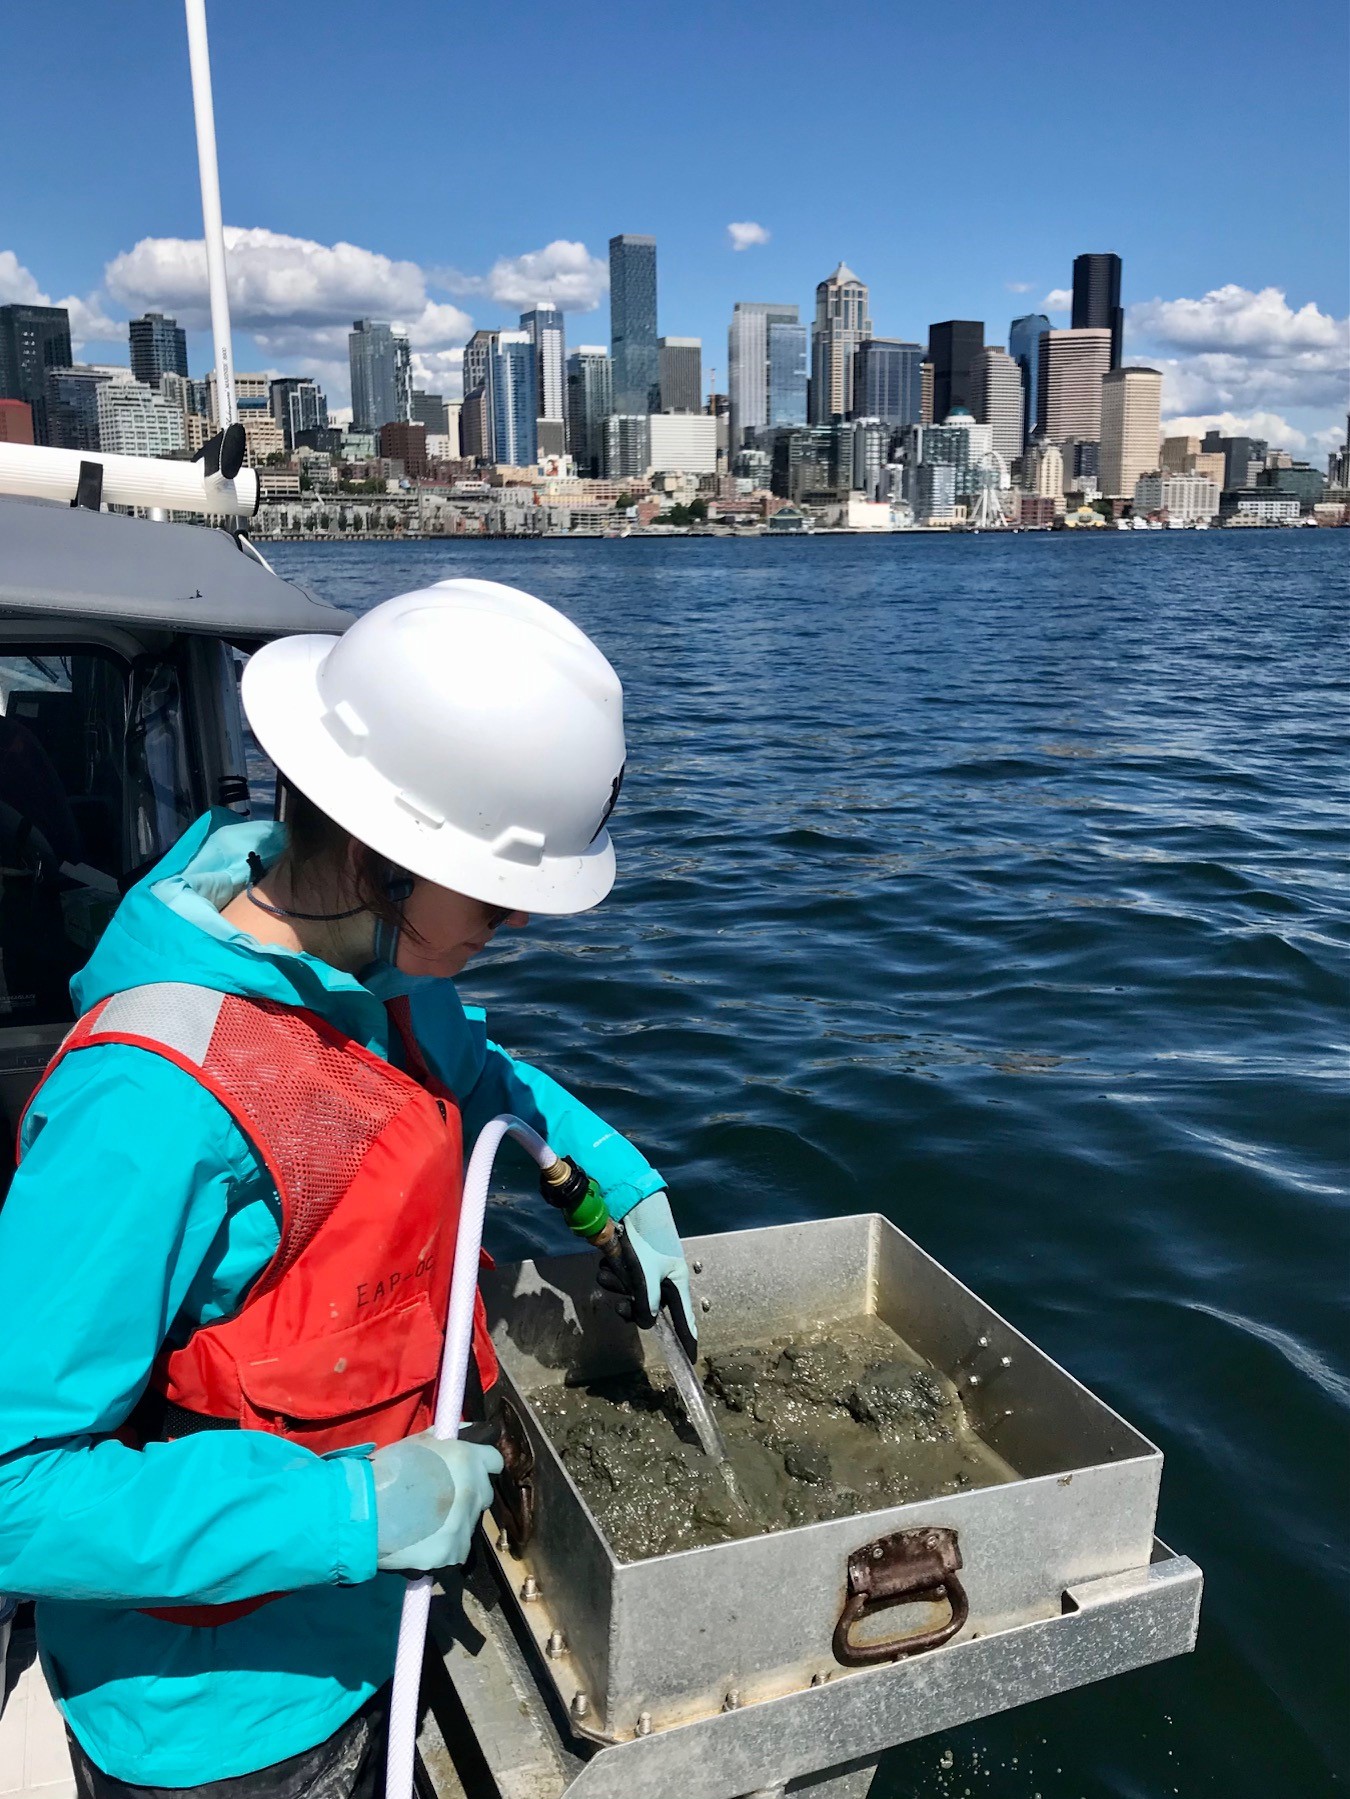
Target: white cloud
1277,431
745,233
563,272
282,286
1239,354
1059,299
1019,287
439,372
88,322
1235,318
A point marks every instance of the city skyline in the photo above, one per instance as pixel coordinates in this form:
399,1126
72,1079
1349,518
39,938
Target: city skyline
1227,294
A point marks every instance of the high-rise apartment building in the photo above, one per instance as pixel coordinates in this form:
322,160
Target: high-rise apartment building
133,420
998,403
1096,299
381,370
158,347
297,404
1131,410
632,323
954,347
1069,384
514,391
926,391
680,373
627,446
888,381
842,323
763,333
429,410
33,339
590,400
71,397
544,323
1024,346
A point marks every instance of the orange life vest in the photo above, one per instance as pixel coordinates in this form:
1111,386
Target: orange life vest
339,1339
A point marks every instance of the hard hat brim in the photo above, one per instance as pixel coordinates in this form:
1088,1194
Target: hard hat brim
285,710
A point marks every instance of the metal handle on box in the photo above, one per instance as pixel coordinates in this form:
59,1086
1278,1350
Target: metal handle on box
513,1488
908,1568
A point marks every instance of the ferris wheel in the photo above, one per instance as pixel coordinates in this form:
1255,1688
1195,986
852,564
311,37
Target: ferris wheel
990,477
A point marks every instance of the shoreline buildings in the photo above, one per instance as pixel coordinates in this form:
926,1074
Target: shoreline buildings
826,421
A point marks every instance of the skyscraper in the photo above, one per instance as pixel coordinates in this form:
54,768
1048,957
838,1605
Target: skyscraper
72,404
158,347
429,410
544,323
888,381
1024,346
842,322
632,323
953,349
680,369
589,404
749,370
1096,298
381,367
298,404
999,402
515,399
1069,384
789,363
33,339
1131,408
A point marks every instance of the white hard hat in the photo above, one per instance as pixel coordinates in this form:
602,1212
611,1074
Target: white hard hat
468,732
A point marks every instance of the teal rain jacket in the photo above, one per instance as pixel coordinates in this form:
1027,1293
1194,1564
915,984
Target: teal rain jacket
138,1211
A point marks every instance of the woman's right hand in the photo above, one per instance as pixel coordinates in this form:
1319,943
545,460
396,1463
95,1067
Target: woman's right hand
429,1494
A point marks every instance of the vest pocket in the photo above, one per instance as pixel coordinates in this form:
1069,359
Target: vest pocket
374,1366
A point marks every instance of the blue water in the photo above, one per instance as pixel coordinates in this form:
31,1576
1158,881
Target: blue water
1000,885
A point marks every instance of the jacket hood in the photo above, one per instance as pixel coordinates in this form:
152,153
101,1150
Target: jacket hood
169,928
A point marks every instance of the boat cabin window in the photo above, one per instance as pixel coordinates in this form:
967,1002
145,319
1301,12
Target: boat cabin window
95,785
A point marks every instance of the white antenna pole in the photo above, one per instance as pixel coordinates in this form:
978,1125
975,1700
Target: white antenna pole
227,412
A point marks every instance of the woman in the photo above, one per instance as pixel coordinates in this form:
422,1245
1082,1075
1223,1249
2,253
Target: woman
237,1192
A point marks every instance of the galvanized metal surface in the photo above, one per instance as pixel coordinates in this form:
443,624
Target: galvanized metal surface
669,1638
823,1741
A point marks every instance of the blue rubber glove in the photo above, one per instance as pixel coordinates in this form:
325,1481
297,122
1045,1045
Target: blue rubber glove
429,1494
651,1272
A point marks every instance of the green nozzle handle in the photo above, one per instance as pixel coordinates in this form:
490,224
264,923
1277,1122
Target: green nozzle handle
567,1186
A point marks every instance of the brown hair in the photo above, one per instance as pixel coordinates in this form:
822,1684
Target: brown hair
319,857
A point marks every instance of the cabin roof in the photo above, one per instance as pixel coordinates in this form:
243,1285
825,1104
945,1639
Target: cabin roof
66,561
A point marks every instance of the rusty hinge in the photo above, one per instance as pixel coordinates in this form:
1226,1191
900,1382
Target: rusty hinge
513,1488
909,1568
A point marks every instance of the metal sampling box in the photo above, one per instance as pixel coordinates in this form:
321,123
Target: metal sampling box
642,1647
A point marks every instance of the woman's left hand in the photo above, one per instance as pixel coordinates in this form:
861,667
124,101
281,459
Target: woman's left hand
661,1277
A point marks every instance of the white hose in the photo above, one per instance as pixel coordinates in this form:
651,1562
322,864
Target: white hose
412,1629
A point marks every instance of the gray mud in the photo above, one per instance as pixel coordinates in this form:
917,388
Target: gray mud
822,1424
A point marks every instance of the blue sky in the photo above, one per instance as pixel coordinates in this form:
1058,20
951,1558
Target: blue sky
473,159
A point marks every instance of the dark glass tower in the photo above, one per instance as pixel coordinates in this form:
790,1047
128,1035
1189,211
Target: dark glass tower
632,323
33,339
158,347
1096,298
887,383
953,349
1024,346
